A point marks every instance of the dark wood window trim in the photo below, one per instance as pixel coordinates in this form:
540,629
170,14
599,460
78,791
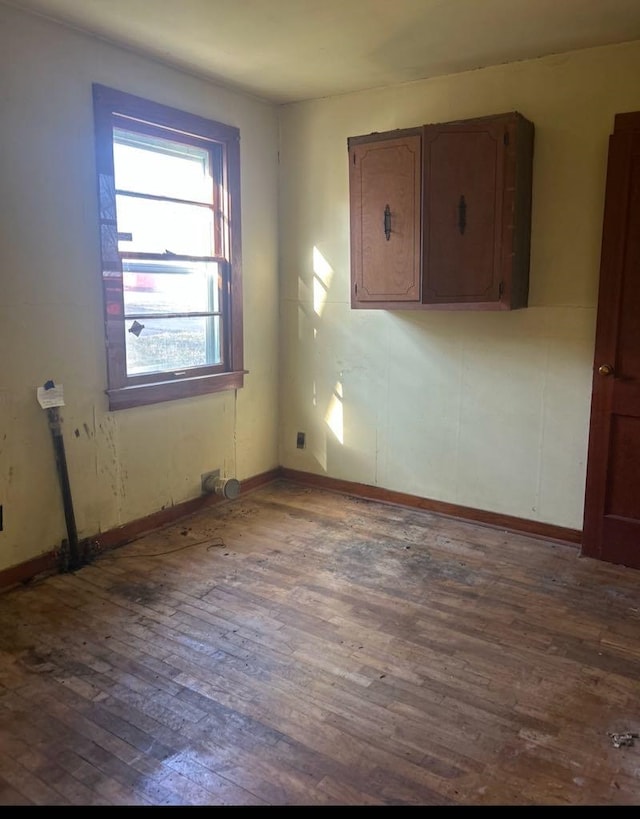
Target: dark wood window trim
116,107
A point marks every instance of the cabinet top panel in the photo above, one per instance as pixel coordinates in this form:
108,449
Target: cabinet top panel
470,124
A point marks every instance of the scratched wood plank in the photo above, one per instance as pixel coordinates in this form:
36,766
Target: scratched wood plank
304,647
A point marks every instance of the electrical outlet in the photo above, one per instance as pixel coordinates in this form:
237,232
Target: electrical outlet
300,440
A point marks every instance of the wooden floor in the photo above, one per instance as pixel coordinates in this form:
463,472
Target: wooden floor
299,647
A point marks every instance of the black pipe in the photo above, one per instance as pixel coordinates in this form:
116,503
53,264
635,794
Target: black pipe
61,463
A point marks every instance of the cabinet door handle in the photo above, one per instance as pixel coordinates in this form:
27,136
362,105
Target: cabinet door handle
462,215
387,222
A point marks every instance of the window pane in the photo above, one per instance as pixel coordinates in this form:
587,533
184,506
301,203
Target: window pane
158,227
169,188
170,287
169,345
148,164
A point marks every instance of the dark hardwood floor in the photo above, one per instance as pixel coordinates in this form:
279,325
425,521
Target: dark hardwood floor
301,647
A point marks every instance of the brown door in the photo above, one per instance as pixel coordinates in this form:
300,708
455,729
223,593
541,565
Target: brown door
464,167
612,496
385,196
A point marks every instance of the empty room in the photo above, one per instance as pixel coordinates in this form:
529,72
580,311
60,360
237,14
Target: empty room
319,402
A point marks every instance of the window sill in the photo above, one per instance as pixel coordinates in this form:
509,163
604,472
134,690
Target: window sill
155,393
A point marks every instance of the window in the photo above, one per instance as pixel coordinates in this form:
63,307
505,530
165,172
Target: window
169,204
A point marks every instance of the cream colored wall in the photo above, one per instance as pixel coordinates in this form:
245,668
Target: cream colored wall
484,410
127,464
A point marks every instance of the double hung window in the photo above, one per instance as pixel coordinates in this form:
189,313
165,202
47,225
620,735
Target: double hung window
169,200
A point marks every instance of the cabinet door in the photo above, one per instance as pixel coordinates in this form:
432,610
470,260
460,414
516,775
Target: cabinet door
463,220
385,179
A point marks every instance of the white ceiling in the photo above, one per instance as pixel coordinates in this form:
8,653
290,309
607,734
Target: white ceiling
292,50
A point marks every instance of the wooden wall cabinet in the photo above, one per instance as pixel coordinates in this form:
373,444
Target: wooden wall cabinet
441,215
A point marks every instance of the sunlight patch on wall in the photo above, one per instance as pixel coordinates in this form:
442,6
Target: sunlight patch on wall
334,416
322,275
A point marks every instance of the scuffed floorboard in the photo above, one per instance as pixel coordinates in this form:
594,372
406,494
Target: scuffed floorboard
300,647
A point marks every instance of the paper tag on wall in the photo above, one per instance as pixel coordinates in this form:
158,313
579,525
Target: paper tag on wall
51,396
